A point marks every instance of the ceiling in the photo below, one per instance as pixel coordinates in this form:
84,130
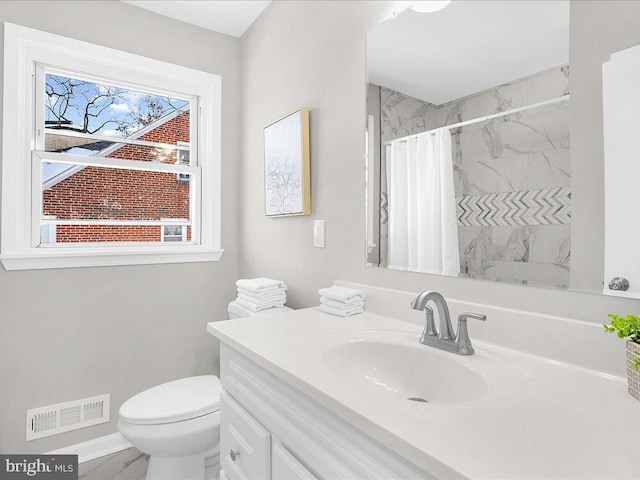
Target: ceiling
468,47
228,17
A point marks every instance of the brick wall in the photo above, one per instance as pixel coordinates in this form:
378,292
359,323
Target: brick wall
109,233
105,193
173,131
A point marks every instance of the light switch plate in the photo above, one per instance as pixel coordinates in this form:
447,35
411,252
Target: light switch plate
318,233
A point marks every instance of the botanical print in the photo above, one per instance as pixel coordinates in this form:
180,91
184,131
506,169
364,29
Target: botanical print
283,166
283,185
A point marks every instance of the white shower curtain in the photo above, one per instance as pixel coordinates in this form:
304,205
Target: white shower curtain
423,234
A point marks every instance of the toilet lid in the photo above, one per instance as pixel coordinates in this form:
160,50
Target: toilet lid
174,401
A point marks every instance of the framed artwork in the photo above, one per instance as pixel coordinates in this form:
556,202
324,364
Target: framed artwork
287,181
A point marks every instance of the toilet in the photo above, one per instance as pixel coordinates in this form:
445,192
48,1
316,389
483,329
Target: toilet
178,423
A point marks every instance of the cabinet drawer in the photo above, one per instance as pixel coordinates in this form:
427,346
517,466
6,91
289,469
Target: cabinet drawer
245,446
287,467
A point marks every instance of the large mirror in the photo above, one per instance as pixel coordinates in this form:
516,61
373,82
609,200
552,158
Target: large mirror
468,142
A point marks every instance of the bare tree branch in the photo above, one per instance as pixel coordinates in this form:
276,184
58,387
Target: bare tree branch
68,99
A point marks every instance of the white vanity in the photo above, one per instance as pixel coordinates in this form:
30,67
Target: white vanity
309,395
275,431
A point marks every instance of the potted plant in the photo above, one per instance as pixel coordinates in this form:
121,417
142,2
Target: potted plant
629,327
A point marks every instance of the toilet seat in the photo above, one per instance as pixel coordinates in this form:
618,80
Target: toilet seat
173,402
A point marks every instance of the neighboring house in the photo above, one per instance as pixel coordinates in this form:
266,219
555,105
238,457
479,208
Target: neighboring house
99,193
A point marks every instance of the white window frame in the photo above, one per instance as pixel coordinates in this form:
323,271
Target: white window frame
24,51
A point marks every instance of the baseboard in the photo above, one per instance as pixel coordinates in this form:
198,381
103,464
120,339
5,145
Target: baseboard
96,448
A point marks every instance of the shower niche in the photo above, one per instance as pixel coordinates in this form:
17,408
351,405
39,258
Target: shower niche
468,145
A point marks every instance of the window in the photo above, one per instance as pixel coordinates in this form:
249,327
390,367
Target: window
183,159
48,231
122,163
174,233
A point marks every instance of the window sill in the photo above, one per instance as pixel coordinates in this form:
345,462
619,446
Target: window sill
46,258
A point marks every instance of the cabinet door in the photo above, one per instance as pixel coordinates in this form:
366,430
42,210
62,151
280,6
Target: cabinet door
245,446
287,467
621,97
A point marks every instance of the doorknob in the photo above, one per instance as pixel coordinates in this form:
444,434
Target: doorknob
619,283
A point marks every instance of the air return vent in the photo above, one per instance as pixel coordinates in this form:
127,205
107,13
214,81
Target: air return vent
63,417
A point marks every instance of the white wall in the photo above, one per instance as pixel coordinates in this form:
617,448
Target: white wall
73,333
312,54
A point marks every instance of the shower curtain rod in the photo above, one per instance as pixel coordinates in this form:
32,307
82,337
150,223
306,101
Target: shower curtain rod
564,98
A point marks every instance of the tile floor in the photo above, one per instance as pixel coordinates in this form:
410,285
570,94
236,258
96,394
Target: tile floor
130,464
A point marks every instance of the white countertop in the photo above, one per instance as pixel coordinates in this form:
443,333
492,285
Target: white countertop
561,422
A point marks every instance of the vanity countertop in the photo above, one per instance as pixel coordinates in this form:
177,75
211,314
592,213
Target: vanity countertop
559,422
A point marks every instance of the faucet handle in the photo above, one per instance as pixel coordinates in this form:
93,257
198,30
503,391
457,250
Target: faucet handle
478,316
462,338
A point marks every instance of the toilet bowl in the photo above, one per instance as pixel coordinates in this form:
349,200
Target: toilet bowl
178,425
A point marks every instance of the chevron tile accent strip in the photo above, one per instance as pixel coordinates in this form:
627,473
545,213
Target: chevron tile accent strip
384,208
550,206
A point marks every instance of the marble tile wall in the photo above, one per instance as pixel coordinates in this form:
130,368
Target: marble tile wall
524,154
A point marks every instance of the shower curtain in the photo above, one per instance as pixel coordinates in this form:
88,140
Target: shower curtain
423,234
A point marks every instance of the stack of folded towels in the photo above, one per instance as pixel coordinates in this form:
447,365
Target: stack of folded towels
261,293
341,301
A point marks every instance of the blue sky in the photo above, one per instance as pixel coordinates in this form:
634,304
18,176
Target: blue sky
109,107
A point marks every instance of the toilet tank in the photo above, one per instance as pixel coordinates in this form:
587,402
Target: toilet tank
238,311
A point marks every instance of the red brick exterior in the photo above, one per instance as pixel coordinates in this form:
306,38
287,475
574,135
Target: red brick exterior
99,193
108,233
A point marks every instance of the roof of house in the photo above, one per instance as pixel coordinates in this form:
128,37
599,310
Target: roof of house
54,173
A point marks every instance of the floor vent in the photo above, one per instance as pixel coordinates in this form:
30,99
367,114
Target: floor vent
63,417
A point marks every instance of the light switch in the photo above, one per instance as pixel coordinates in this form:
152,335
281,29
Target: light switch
318,233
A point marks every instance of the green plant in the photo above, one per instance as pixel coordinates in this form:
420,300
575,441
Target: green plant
626,327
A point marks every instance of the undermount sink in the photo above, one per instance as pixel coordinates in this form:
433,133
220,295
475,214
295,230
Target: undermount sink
395,364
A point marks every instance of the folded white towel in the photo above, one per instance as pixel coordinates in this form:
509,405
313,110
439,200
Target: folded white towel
279,300
341,312
354,302
267,292
259,284
341,294
256,308
266,298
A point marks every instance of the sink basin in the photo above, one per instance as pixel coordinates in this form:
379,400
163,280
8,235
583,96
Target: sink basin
417,374
395,364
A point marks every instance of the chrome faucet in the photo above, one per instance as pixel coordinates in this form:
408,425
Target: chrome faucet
445,339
